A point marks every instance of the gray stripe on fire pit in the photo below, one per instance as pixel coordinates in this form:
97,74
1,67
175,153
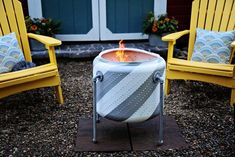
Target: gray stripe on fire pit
133,102
146,110
110,80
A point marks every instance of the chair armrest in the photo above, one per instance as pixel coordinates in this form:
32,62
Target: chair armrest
48,41
175,36
233,44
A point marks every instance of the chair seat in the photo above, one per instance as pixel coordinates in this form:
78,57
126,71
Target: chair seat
226,70
27,75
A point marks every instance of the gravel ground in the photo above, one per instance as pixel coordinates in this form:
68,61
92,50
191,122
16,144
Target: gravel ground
33,124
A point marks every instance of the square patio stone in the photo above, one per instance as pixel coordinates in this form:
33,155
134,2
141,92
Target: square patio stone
114,136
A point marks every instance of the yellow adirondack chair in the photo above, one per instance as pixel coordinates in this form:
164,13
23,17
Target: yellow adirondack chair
216,15
12,20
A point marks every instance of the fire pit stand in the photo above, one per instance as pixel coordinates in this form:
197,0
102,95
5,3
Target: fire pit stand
128,91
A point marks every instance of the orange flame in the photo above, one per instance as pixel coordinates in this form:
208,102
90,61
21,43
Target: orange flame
120,54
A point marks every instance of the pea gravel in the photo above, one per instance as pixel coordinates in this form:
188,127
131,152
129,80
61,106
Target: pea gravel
33,124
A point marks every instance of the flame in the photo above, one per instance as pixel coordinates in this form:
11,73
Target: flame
120,54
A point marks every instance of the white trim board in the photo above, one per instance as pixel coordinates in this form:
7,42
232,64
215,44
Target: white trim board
160,7
35,8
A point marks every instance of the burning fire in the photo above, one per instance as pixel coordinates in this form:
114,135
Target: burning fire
120,54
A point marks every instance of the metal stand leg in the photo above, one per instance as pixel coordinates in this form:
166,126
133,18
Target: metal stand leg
157,78
160,141
98,77
94,111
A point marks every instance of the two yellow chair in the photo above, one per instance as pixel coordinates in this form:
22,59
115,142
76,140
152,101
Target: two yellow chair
12,20
216,15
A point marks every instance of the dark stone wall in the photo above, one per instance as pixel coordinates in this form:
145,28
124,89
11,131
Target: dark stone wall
181,10
25,7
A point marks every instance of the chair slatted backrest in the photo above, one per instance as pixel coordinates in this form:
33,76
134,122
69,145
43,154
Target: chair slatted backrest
216,15
12,20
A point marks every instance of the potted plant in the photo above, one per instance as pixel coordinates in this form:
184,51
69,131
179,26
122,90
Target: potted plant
41,26
158,27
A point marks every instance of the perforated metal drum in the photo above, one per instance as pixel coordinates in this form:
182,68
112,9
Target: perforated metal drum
128,92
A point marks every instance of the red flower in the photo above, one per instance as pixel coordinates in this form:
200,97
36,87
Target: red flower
34,27
154,27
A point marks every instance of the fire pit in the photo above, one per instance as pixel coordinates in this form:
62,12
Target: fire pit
128,86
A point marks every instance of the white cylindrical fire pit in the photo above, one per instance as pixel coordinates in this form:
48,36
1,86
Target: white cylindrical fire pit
127,85
127,92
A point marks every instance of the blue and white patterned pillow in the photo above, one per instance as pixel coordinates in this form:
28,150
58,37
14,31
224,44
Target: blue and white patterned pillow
213,47
10,52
